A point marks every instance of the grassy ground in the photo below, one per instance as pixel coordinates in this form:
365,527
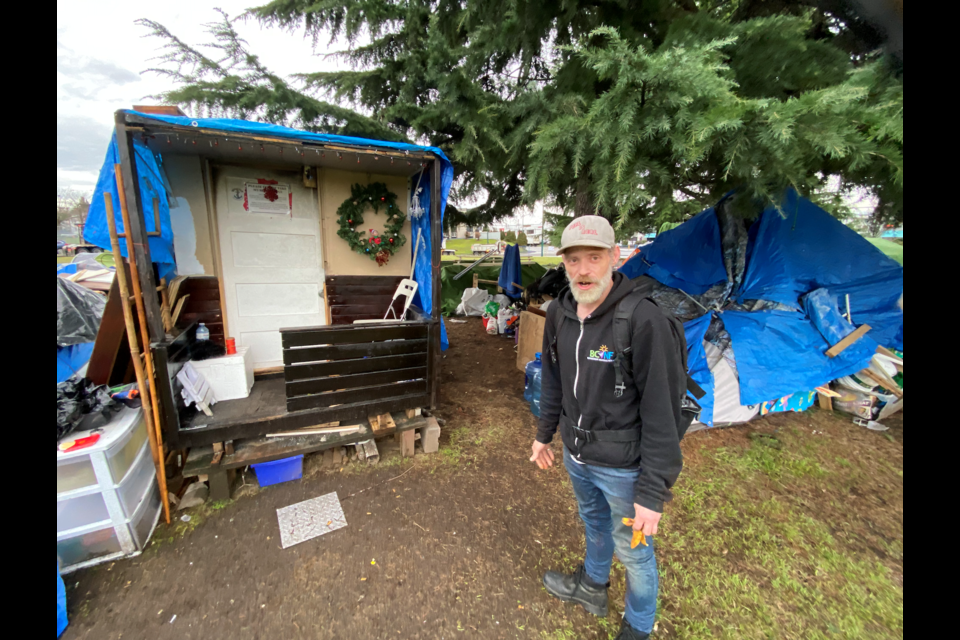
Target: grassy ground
798,529
889,247
462,247
105,259
789,528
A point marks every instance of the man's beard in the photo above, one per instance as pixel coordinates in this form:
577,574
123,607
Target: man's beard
593,294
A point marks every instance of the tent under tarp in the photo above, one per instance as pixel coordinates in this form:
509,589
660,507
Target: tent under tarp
763,300
452,290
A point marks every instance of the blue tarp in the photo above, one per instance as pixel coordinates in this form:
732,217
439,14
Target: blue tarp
68,269
61,605
71,359
689,257
423,270
788,257
695,332
152,184
510,272
781,352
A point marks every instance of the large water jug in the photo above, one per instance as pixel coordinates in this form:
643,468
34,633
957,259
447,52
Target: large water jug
536,384
534,365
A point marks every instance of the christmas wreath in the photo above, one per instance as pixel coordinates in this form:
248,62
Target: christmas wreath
372,243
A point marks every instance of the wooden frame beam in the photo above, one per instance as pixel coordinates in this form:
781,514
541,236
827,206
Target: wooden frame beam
138,231
200,133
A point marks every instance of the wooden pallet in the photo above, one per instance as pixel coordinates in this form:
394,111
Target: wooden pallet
201,461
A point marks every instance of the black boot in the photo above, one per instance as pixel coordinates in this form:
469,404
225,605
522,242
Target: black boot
629,633
577,588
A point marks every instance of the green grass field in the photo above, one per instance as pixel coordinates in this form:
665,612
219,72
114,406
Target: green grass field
891,249
462,247
106,259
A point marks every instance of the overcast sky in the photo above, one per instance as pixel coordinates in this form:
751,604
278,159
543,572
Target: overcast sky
101,55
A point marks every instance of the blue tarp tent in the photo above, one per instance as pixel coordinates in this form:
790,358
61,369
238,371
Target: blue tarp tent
764,297
154,185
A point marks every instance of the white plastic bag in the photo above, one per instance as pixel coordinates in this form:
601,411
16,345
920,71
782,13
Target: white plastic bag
503,319
473,302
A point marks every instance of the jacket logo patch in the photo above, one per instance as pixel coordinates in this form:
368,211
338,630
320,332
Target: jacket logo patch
603,354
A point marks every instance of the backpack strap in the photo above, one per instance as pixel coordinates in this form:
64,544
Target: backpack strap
556,332
623,336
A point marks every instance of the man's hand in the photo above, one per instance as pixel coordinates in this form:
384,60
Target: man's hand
647,521
542,455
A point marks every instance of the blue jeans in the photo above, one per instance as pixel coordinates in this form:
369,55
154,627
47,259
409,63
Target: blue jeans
605,497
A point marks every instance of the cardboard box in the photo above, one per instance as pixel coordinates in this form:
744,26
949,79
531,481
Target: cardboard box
531,338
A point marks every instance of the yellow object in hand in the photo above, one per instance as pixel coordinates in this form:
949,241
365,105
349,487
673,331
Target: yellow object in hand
638,537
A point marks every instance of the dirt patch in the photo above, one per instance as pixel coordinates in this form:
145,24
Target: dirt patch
456,543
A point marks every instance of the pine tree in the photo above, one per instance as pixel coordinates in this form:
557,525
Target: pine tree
522,239
643,112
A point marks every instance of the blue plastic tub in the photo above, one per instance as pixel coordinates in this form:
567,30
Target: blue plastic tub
271,473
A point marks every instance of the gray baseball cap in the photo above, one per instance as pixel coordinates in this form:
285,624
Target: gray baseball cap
588,231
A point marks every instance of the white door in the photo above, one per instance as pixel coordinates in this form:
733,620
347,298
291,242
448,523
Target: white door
271,258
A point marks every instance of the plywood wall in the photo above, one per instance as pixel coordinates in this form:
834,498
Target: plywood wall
194,246
339,259
191,228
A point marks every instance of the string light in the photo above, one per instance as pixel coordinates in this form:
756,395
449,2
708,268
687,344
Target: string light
216,143
339,156
261,148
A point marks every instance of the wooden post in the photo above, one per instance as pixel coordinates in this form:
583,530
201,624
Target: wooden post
128,185
437,244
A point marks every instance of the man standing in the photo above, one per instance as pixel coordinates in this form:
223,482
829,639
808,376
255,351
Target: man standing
618,415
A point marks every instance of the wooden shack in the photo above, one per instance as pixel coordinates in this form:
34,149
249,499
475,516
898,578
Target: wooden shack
276,277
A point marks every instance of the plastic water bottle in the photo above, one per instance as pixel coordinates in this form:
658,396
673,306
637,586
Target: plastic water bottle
533,365
203,333
536,384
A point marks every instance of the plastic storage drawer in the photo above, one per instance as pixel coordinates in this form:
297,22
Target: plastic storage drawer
73,475
122,454
144,521
138,480
88,546
77,513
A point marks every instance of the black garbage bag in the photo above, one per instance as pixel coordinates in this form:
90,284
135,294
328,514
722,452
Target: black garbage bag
551,284
79,312
82,405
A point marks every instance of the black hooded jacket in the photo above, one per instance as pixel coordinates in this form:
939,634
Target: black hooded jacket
579,392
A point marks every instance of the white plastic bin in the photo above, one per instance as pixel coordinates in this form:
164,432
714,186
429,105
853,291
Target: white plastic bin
230,377
108,502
